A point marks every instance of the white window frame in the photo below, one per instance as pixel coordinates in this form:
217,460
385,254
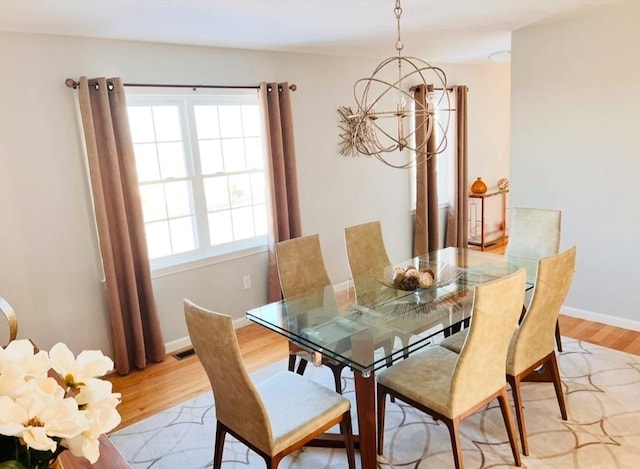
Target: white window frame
204,253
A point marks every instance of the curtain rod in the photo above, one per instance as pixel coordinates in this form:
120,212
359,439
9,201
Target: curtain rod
448,88
71,83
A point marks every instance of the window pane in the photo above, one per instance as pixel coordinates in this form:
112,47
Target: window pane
178,199
242,223
172,163
260,219
182,237
233,152
230,121
254,152
251,121
146,161
220,231
167,123
257,188
216,192
207,121
158,240
141,124
240,190
211,156
153,202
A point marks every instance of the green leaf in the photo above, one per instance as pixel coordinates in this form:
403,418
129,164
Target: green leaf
11,465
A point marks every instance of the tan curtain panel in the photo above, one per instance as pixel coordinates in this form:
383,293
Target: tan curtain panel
457,231
426,223
285,207
135,327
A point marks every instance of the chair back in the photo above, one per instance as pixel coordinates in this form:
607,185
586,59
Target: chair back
237,402
535,338
367,258
480,369
12,320
534,233
301,266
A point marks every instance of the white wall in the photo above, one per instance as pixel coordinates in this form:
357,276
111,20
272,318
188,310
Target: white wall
575,147
49,261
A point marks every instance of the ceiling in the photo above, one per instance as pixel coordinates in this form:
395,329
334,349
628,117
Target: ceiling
466,31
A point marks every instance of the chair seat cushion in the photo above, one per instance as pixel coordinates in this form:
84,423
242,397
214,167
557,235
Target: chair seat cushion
298,406
455,341
424,377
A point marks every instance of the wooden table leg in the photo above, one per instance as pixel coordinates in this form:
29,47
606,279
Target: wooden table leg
365,388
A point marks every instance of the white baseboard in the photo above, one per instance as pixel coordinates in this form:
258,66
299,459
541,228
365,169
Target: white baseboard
601,318
185,342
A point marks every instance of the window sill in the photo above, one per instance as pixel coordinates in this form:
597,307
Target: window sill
200,262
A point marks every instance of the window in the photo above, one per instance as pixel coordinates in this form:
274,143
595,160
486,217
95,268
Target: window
445,167
200,164
445,161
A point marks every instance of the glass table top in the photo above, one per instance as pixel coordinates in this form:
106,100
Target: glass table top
387,321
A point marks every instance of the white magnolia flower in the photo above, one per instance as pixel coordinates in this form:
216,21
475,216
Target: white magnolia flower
27,419
12,381
75,371
82,446
20,353
11,417
39,412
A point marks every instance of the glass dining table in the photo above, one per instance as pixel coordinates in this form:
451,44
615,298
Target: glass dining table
391,317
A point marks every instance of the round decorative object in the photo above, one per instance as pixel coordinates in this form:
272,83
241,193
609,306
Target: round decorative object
503,184
478,187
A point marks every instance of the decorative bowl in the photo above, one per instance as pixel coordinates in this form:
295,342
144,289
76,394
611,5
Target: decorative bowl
425,276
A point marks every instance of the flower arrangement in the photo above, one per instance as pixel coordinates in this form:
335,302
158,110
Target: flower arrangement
51,402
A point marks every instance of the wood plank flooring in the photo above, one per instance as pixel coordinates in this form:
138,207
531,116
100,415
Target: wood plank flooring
163,385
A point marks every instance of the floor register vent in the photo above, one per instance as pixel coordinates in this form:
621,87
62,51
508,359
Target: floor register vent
184,354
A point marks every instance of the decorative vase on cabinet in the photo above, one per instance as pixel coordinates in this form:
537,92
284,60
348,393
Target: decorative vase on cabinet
478,187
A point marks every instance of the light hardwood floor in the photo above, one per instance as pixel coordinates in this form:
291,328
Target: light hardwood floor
163,385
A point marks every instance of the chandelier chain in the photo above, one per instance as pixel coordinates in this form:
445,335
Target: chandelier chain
398,12
377,127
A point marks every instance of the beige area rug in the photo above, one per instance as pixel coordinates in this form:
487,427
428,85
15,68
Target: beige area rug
602,390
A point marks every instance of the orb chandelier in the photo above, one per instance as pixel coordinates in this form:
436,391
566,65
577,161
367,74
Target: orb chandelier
388,117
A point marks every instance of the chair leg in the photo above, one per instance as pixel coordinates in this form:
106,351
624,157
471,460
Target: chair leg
388,350
557,384
347,431
337,373
456,448
514,383
272,462
508,422
404,338
292,362
382,400
302,366
558,337
219,445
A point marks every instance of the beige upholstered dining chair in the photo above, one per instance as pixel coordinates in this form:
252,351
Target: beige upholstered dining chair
532,344
301,269
366,254
12,319
535,233
273,418
451,387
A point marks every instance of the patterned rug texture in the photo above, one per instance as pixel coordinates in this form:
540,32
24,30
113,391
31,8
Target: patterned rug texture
602,391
